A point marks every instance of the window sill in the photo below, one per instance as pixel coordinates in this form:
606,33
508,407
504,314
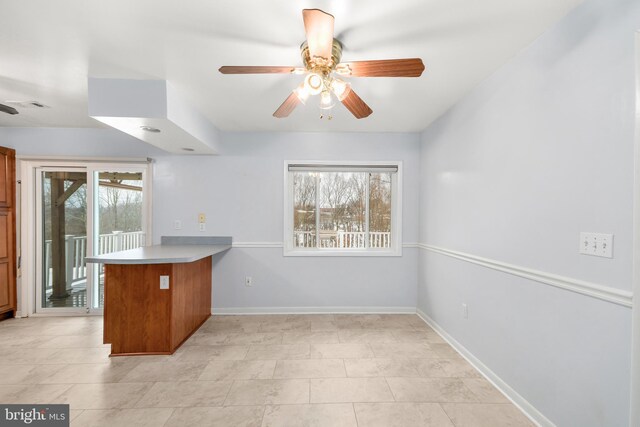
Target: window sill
342,253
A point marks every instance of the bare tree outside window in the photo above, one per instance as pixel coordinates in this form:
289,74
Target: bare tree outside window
341,212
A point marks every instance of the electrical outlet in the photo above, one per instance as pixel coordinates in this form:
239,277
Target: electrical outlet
164,282
177,224
465,311
596,244
248,281
202,226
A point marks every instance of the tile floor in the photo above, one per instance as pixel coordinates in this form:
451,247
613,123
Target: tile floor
273,370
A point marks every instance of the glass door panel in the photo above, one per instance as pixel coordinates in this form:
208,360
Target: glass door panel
119,219
63,234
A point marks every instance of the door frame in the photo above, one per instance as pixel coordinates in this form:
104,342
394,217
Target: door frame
27,167
634,418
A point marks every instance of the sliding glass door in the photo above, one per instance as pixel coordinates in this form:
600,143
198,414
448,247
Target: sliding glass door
81,211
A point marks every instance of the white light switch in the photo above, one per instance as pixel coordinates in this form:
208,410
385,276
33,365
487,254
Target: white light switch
596,244
164,282
177,224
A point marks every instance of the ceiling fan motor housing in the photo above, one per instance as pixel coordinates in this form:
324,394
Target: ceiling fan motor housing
318,64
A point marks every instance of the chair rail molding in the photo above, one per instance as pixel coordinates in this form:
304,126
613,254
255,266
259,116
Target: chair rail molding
594,290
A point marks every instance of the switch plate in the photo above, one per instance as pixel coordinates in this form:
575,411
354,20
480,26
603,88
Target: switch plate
596,244
202,226
164,282
177,224
465,311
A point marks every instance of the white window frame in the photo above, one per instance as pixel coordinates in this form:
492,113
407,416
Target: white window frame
26,169
396,212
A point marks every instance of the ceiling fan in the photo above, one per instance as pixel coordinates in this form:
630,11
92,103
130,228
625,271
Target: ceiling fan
321,55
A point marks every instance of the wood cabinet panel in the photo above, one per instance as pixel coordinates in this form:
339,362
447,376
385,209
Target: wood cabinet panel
7,233
141,318
5,297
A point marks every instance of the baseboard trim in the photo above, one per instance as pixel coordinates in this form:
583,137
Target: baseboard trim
312,310
594,290
527,408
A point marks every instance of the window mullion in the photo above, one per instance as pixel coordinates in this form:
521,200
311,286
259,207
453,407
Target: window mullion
366,212
317,211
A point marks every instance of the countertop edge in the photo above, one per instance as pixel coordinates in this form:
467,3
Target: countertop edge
104,259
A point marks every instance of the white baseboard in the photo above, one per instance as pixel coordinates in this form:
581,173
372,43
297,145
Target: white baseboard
527,408
311,310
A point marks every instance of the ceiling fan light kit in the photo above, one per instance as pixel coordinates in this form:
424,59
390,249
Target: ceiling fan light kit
321,56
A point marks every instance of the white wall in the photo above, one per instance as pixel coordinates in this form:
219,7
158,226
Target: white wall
241,192
537,153
75,142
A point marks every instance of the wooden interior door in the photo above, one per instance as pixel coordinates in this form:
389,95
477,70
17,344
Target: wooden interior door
7,233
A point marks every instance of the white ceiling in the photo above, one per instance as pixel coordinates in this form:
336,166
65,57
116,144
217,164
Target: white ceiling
49,48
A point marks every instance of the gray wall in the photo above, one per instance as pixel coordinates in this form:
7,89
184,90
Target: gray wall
242,191
537,153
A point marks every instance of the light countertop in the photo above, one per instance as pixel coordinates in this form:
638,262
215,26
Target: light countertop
160,254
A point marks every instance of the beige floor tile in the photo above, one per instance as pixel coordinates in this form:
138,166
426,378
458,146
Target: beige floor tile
15,340
148,417
365,336
311,317
104,396
80,373
82,355
237,327
234,338
401,415
207,338
281,351
340,351
430,368
310,368
165,371
262,392
430,390
218,370
458,368
38,393
338,390
323,326
27,374
185,394
484,390
228,416
417,336
445,351
28,356
381,367
74,413
485,415
284,326
310,337
74,341
211,352
333,415
403,350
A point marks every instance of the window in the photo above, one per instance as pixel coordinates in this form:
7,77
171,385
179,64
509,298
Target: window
335,208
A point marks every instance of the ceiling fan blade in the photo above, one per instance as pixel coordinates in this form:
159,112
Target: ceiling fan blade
318,26
410,67
356,105
7,109
287,106
231,69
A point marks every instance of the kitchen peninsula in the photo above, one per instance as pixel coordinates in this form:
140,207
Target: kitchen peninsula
155,297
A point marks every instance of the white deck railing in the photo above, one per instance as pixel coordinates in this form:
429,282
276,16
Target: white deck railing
342,239
76,251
